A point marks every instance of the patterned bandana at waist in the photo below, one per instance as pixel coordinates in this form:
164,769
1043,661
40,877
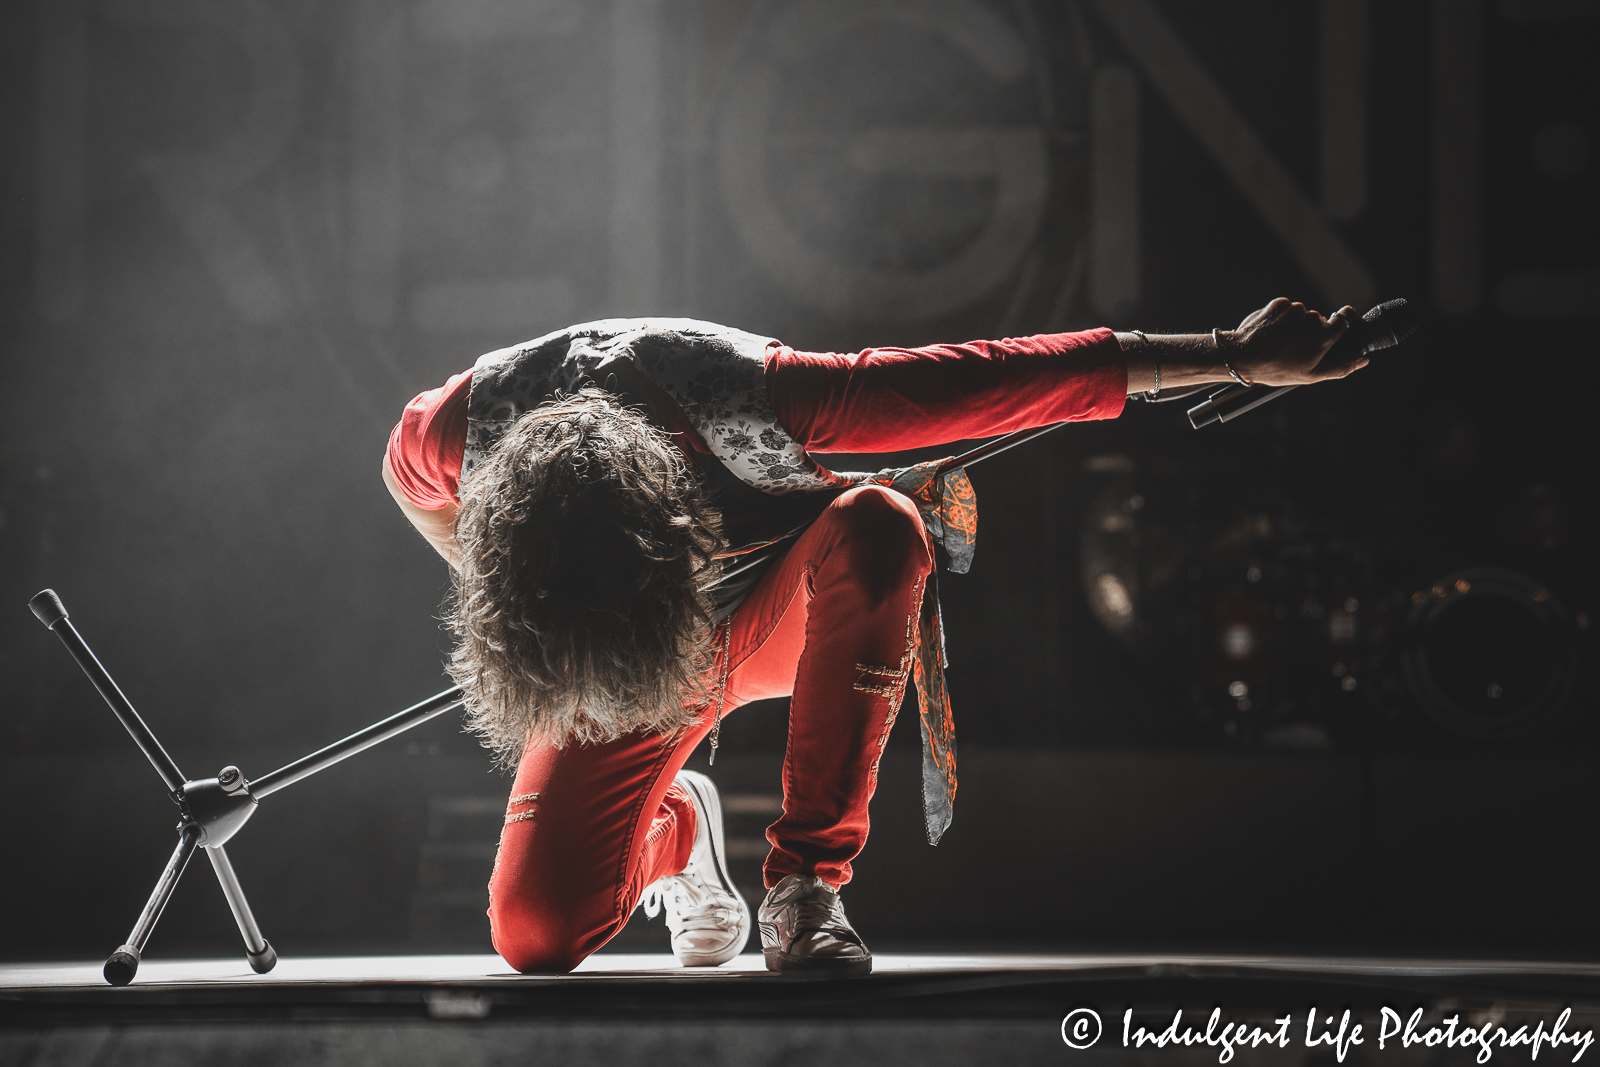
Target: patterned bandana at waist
949,508
717,377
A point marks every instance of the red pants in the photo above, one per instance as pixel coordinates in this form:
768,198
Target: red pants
590,826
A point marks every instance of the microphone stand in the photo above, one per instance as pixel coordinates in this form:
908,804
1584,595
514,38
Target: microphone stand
211,810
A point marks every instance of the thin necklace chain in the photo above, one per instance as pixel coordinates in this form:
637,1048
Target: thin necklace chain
722,691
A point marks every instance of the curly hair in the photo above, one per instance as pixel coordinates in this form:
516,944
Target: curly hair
578,609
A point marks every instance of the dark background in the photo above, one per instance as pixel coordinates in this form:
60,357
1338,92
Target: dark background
240,235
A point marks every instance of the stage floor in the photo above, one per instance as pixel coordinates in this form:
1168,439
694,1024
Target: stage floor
606,968
930,1010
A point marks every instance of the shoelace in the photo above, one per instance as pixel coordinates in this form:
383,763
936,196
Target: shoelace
815,916
685,902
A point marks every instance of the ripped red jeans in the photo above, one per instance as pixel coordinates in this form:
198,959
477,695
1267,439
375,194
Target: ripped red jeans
590,826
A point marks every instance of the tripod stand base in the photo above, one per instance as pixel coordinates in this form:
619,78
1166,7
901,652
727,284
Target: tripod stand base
260,962
124,964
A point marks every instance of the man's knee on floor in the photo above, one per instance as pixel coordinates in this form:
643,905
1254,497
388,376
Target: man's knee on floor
536,939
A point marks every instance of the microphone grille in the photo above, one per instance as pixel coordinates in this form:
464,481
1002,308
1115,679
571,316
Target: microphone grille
1388,324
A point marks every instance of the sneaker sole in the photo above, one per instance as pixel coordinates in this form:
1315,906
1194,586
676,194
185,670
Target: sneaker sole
819,967
709,803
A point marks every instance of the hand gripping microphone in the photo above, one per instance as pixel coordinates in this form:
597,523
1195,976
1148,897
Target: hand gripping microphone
1384,326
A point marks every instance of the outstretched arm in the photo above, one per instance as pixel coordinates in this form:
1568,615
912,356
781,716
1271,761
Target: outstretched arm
889,399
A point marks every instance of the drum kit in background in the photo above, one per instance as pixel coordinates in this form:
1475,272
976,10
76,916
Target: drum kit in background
1273,627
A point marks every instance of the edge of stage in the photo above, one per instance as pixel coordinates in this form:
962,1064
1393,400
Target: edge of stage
645,986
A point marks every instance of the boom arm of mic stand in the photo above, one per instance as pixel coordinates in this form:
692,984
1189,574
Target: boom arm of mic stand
1230,403
378,732
997,446
966,459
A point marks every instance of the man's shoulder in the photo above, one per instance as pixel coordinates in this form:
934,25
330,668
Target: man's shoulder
606,329
653,342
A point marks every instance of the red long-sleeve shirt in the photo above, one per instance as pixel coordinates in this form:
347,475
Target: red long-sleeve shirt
877,400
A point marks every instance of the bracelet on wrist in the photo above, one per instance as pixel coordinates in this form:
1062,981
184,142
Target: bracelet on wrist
1154,365
1216,342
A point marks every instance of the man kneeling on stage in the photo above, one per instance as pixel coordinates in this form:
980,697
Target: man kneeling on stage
590,487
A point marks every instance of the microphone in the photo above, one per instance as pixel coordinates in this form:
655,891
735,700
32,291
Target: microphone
1385,326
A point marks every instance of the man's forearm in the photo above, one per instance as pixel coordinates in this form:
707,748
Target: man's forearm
1183,359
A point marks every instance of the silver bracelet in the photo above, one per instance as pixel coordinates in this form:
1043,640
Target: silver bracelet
1155,366
1217,343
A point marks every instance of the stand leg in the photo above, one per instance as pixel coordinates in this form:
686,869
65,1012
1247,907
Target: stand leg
50,611
260,954
124,963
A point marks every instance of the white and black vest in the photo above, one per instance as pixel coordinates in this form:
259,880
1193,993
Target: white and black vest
764,482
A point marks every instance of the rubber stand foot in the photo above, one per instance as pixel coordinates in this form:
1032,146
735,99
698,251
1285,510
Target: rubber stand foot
263,961
47,607
122,966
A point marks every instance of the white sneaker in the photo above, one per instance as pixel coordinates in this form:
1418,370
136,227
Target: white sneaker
709,920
